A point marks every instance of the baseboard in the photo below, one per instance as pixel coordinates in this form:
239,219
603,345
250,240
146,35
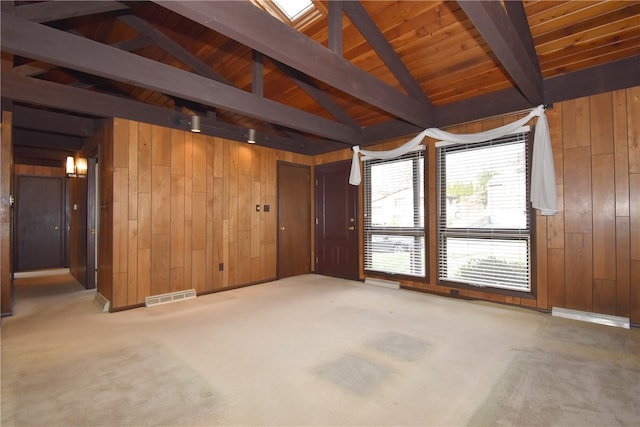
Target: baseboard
102,303
381,282
41,273
602,319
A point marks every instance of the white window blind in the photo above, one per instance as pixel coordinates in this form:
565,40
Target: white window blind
394,238
483,220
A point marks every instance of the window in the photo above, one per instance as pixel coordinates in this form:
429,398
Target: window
484,236
293,8
299,14
394,239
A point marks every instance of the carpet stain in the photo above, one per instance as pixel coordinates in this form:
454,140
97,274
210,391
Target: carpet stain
550,388
400,346
355,374
115,390
592,335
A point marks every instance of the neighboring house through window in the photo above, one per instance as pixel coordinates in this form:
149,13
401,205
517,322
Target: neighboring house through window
394,232
484,220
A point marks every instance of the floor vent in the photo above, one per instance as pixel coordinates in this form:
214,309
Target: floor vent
381,282
602,319
171,297
101,302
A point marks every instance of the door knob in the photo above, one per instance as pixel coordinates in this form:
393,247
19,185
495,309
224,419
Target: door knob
282,228
56,228
351,228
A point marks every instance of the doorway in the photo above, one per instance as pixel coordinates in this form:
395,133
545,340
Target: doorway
337,228
294,219
92,220
41,229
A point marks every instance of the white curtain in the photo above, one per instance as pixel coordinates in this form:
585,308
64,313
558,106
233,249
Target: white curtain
543,177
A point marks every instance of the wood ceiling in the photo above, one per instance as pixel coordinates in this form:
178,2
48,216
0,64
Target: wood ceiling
360,73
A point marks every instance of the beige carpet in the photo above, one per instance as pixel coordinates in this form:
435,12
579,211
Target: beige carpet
309,350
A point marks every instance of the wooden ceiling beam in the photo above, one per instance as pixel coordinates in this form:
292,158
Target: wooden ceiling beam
249,25
620,74
26,38
54,95
361,19
37,67
608,77
55,10
498,30
170,46
50,121
316,94
37,139
334,41
518,17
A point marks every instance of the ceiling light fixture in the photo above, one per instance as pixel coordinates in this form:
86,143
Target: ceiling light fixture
195,124
251,139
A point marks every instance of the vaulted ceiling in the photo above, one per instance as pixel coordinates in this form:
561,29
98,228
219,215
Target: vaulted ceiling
350,73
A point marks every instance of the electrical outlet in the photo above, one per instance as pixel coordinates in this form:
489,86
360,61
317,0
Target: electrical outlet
221,266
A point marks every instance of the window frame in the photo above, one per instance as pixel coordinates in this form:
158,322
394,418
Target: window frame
481,233
369,230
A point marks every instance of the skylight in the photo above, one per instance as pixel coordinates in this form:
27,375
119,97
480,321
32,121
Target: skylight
293,9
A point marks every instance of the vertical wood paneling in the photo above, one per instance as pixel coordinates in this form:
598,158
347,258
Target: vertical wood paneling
575,123
210,258
633,132
6,155
132,263
623,266
104,141
177,209
541,262
601,121
144,214
578,203
188,208
621,150
578,253
634,247
120,235
633,128
556,278
604,217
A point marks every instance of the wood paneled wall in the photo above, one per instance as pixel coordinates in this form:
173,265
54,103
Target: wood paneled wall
179,205
6,156
588,255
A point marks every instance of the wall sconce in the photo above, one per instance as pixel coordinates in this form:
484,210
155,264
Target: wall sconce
251,139
76,168
195,124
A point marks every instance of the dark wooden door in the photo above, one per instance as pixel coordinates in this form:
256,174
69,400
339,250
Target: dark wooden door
336,222
294,220
40,223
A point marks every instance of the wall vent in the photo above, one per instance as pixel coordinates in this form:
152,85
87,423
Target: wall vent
602,319
170,297
381,282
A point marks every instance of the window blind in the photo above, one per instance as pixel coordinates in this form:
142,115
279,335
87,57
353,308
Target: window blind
483,219
394,240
